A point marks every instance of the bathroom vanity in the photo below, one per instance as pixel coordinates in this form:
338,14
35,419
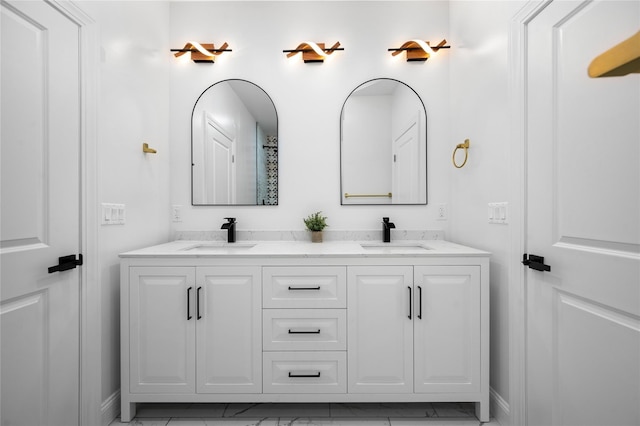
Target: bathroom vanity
291,321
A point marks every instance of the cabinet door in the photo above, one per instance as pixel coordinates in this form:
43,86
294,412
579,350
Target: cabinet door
447,329
229,330
162,330
380,329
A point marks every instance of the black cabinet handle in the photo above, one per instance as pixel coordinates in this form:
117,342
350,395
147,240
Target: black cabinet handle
304,332
198,316
420,302
189,303
409,301
304,375
305,288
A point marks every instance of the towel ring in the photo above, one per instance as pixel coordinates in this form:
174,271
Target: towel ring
464,146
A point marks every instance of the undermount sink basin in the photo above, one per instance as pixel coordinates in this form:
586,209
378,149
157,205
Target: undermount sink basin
394,248
219,247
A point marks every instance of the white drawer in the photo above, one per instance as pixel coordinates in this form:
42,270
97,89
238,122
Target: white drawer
304,287
304,330
304,372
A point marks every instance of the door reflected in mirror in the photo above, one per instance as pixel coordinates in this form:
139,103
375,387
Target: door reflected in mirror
234,146
383,145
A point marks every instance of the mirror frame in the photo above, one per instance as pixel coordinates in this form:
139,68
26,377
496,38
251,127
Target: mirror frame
192,149
426,186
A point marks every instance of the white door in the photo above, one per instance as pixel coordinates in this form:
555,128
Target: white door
583,217
447,329
380,329
229,330
406,162
219,164
40,215
162,330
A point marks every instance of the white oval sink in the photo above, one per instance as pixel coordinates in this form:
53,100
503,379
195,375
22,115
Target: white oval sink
219,247
394,248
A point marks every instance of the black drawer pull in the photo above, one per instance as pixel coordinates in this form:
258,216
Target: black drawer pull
198,316
304,332
304,288
189,303
305,375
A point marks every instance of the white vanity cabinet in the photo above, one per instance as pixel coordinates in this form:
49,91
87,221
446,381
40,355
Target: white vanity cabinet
414,329
295,322
190,330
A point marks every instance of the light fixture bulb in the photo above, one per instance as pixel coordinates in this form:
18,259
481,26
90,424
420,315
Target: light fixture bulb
201,49
424,46
316,48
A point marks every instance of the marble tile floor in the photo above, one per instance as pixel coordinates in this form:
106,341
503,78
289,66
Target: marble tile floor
320,414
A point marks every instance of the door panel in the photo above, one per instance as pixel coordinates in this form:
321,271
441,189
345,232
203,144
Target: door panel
614,342
29,355
583,204
447,329
219,151
406,164
40,217
162,329
380,329
23,210
229,352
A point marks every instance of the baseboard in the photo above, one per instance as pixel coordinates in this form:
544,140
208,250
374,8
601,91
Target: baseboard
499,408
110,408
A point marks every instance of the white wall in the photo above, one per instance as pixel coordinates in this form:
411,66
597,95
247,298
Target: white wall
133,108
147,95
479,111
308,99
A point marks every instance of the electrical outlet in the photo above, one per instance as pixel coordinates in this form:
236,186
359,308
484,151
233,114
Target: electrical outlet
442,213
176,213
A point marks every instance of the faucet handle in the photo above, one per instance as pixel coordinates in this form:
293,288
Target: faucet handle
231,219
386,223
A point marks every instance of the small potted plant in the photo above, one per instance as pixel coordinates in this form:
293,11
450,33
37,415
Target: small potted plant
316,223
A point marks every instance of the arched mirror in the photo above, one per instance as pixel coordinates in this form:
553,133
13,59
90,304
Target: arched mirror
383,145
234,146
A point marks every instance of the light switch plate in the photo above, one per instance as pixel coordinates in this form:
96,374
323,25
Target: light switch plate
498,213
113,214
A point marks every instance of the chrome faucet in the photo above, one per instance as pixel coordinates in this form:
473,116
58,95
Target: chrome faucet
386,230
230,226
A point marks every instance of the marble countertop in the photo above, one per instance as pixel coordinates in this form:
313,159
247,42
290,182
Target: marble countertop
254,249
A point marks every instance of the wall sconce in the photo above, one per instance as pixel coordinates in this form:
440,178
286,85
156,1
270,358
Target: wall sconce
201,53
418,50
313,52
